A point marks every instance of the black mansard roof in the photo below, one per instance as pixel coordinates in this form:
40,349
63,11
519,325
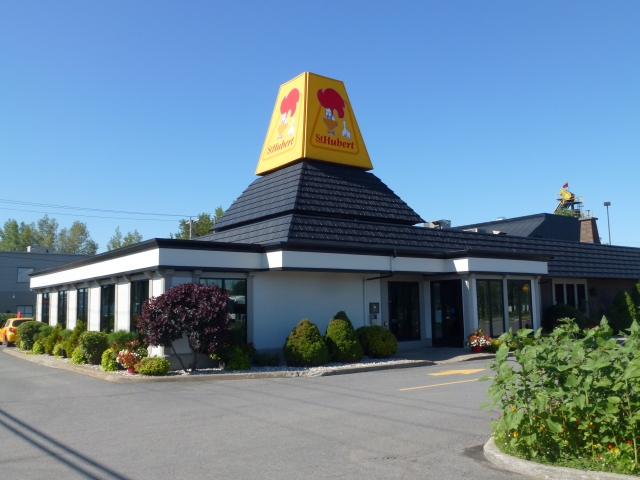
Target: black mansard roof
318,189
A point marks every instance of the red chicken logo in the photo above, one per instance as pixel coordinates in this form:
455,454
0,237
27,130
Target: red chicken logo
332,101
288,110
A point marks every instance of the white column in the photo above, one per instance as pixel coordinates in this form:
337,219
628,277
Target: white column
123,305
469,303
94,308
72,308
536,303
39,307
53,308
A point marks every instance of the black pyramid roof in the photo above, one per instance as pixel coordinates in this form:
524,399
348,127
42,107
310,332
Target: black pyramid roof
318,189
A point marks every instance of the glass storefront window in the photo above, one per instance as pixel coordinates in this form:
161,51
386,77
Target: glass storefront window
83,304
519,300
490,307
62,308
139,295
236,304
107,308
45,308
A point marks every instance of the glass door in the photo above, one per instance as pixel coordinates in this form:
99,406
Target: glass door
447,319
404,310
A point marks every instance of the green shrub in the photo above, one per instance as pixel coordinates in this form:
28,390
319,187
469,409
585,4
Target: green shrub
238,359
569,398
623,312
561,310
58,350
38,348
265,360
43,332
5,316
26,334
52,339
93,344
121,337
635,296
78,356
109,363
493,347
341,340
72,342
155,366
377,341
305,346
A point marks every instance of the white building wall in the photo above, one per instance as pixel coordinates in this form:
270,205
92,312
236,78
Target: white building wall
156,287
371,295
53,308
39,307
123,305
282,299
94,308
72,308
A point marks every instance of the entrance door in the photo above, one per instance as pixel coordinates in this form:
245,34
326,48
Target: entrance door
446,313
404,310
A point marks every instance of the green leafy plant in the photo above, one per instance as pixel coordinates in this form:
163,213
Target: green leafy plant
265,360
109,363
238,359
53,338
58,350
74,338
635,296
79,356
130,354
560,310
121,337
377,341
155,366
38,348
570,398
93,344
305,347
26,333
623,312
341,340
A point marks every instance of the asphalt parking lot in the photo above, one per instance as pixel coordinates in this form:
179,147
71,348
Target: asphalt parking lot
409,423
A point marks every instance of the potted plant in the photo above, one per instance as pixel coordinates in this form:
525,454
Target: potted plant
478,340
131,354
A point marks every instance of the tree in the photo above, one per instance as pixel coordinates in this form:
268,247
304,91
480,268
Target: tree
117,241
201,225
623,312
16,236
196,312
76,239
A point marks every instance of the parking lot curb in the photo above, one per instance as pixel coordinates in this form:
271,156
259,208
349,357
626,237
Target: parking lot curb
52,362
538,470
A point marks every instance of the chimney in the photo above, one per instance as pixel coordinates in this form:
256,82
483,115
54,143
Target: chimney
589,230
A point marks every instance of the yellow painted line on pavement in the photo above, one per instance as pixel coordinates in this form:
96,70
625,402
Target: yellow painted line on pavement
468,371
440,384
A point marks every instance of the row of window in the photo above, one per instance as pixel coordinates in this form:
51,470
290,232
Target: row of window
236,304
491,315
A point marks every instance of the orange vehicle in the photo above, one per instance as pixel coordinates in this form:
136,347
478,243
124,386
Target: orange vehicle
9,331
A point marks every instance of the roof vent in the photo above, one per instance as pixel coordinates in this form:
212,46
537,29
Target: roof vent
500,219
439,224
31,249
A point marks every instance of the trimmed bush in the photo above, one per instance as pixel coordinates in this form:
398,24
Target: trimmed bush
265,360
154,366
109,363
58,350
341,340
93,344
5,316
43,333
121,337
72,342
78,357
52,339
26,334
377,341
561,310
305,347
623,312
238,359
635,296
38,348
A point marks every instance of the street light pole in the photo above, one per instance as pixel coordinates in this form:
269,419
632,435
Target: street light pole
606,204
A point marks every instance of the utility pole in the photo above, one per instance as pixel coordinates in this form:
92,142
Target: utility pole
606,204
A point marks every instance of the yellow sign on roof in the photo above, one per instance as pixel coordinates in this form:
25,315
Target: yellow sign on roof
313,119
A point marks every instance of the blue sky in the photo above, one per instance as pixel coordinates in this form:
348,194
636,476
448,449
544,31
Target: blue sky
469,110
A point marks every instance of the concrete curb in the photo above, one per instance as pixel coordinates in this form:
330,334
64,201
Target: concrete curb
118,378
538,470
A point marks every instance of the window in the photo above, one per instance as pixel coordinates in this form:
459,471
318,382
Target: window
45,308
237,303
62,308
490,307
23,274
139,294
25,310
572,292
519,300
83,304
107,308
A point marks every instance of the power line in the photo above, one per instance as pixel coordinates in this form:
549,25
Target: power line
47,205
92,216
